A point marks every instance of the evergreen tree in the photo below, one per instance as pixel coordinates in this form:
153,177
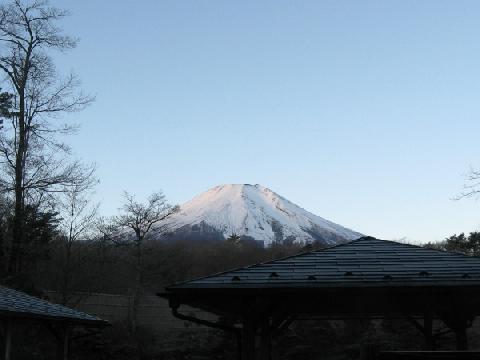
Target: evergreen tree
468,245
234,238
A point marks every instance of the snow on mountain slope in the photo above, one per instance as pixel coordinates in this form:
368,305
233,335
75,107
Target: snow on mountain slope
256,212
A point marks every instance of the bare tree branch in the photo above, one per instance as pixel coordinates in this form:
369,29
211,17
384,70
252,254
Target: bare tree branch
471,186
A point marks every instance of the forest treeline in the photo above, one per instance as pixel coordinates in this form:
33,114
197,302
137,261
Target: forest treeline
110,264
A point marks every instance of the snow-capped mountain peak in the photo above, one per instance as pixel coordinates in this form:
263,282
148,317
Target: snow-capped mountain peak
255,212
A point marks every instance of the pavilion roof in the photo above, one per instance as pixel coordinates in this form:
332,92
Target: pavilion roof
364,262
16,304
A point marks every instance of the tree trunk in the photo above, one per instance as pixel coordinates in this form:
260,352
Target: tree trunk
103,251
66,274
16,255
137,291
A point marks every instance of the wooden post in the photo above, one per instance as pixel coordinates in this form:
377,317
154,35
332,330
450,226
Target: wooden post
428,330
462,339
66,344
248,338
8,339
265,340
459,321
63,343
239,346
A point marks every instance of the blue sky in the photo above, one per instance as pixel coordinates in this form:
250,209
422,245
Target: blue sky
366,113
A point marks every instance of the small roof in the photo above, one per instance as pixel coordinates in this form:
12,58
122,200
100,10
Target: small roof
366,262
14,303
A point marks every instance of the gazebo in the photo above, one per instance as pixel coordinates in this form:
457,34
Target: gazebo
365,277
16,307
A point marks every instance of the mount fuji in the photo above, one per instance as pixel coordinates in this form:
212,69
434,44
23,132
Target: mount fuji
252,212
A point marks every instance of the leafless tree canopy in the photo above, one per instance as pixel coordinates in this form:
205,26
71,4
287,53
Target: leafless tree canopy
78,216
141,217
27,33
34,159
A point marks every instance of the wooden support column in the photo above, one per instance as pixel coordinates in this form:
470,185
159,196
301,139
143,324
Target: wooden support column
428,330
63,342
239,346
248,338
462,339
66,344
459,322
265,352
279,323
8,339
459,316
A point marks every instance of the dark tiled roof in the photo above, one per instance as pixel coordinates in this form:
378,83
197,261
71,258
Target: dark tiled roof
15,303
363,262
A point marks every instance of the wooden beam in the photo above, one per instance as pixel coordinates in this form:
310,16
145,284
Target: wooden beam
429,355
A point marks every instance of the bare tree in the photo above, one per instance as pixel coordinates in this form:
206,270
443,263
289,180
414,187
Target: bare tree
78,218
31,153
133,227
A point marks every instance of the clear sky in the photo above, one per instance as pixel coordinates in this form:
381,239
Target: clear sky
366,113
